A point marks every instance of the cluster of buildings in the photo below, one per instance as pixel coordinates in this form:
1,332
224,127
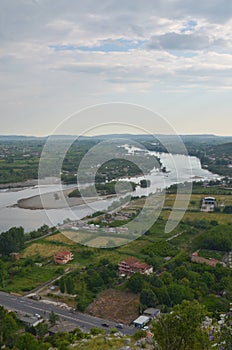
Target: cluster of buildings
119,216
77,225
132,265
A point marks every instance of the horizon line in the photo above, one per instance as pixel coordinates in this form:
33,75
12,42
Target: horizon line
109,134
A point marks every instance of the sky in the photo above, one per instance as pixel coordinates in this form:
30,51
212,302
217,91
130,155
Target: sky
173,57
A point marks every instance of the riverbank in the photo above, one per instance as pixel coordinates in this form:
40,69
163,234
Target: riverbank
22,184
52,180
13,215
57,200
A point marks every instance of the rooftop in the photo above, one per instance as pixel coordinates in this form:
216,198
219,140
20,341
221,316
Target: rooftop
141,320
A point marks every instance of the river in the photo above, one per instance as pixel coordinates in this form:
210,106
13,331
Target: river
180,168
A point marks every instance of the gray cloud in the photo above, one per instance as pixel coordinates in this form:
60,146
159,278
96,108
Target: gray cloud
24,19
217,11
176,41
39,81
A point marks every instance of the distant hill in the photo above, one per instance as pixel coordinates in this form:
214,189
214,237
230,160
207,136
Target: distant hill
201,138
19,138
219,158
223,150
206,139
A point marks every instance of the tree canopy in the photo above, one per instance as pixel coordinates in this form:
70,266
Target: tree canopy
182,329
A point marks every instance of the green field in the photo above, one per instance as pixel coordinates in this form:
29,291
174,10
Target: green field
25,275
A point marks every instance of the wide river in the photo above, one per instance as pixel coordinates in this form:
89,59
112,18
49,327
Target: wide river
180,169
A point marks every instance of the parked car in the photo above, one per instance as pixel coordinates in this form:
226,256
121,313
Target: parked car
105,325
119,325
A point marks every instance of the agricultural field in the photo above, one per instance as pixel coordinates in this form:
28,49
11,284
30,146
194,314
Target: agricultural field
219,217
36,264
41,249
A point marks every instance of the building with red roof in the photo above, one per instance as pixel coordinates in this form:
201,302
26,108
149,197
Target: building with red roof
63,257
200,260
132,265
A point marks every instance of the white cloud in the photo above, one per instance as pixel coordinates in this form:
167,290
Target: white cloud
33,72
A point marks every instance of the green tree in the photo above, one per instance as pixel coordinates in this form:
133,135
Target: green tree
41,329
62,285
209,279
69,285
136,283
180,272
163,296
27,342
139,334
12,240
84,296
178,293
45,346
94,280
227,209
8,326
217,238
148,298
63,344
3,274
53,318
182,329
166,277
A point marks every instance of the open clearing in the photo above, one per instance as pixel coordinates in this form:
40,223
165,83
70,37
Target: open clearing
44,250
59,237
78,236
219,217
106,241
116,305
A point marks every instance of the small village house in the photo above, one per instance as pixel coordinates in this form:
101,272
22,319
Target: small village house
63,257
141,321
133,265
200,260
208,204
152,313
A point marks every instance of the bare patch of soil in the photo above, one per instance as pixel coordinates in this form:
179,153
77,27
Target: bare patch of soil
115,305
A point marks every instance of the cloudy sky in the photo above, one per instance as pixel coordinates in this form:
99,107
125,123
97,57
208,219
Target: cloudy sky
171,56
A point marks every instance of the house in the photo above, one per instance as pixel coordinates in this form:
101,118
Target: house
63,257
141,321
133,265
30,321
200,260
208,204
152,313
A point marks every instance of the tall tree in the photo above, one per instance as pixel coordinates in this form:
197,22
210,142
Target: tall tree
8,326
62,285
53,318
136,282
181,329
69,285
27,342
148,298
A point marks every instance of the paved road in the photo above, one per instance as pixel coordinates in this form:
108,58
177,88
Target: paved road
83,321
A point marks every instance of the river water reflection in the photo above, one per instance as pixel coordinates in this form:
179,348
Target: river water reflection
190,170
